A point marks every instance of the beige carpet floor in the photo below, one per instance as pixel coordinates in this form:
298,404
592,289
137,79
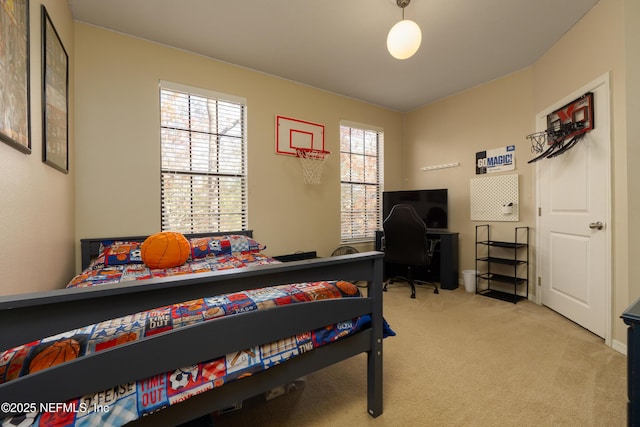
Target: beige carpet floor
461,359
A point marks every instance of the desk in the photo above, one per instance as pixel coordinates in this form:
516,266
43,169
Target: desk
444,265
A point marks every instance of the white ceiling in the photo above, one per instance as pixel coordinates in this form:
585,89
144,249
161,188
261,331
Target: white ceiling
340,46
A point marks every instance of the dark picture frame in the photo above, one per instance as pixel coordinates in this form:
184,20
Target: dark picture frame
55,97
15,104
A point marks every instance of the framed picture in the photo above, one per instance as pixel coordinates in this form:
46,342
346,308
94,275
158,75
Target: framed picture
55,97
15,121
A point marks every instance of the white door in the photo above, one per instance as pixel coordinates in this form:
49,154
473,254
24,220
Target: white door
574,260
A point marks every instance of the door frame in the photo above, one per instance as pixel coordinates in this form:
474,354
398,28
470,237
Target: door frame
603,80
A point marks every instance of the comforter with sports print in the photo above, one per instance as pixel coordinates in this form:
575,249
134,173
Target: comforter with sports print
126,402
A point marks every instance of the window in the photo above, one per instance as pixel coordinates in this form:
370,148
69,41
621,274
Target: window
204,162
361,170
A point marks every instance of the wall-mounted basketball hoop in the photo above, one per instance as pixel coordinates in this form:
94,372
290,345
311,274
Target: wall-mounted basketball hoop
566,126
292,134
312,162
304,140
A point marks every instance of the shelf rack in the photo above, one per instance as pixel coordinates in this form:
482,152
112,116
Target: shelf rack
510,254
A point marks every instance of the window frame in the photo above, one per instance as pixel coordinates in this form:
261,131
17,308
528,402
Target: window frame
214,221
368,234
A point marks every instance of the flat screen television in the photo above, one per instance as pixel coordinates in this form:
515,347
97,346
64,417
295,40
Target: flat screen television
431,205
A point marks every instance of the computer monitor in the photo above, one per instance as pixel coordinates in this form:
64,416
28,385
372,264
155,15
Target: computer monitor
431,205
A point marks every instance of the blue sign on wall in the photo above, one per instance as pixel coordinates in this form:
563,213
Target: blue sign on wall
496,160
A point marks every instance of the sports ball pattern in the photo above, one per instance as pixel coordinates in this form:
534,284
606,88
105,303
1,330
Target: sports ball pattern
127,402
103,275
54,354
220,245
165,250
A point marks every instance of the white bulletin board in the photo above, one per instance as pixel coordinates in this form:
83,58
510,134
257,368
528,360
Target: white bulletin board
495,198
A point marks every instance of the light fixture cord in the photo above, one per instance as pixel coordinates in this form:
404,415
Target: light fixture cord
402,4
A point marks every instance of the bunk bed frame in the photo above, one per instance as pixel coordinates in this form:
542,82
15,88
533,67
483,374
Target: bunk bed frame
27,317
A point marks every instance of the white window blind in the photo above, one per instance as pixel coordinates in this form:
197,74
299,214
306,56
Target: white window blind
361,170
204,160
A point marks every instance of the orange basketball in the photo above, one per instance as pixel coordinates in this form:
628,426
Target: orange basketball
56,353
165,250
347,288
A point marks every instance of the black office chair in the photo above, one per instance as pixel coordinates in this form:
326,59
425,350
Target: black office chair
405,243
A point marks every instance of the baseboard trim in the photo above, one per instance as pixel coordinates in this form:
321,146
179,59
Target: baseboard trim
619,347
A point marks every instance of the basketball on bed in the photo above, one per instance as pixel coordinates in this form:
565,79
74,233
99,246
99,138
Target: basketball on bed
56,353
165,250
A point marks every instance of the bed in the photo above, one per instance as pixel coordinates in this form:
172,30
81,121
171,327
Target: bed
28,317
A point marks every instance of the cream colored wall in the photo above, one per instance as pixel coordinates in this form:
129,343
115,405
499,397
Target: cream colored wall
37,209
632,55
490,116
502,112
595,46
118,149
117,184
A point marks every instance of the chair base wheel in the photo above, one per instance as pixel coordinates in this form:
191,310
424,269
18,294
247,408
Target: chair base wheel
412,285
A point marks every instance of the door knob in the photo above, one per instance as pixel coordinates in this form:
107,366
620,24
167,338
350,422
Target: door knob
596,225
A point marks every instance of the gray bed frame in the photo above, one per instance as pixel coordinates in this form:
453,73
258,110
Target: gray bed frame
27,317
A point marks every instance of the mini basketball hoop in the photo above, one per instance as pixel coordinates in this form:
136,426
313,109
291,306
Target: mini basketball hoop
566,126
312,162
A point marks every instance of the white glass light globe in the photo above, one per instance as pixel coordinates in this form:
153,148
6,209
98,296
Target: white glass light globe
404,39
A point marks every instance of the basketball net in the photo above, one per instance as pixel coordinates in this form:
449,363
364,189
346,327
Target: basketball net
312,162
538,141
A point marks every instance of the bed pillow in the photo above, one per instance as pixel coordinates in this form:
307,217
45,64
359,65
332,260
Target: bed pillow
220,245
117,253
165,250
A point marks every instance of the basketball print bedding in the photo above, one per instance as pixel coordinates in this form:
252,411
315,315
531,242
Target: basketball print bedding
53,354
102,369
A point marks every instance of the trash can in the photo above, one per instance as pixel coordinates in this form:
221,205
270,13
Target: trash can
469,280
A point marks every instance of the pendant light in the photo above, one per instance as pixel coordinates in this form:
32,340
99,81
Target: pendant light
404,38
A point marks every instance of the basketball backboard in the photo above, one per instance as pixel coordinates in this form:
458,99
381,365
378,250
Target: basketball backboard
293,134
566,126
572,119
